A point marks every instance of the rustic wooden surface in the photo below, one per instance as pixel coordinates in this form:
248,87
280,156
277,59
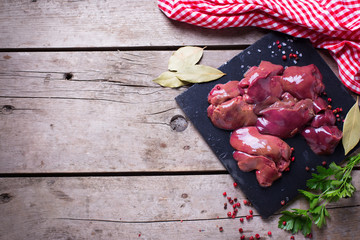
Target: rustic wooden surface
86,147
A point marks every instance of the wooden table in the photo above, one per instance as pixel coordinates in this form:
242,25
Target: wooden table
86,147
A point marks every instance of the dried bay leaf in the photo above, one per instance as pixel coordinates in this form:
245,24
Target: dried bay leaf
183,69
169,79
199,74
185,56
351,129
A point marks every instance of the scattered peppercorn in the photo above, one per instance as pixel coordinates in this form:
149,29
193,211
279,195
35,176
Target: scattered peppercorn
257,236
282,202
251,238
284,223
242,237
307,168
329,99
245,202
324,163
269,233
309,235
229,214
284,57
235,184
248,217
292,237
277,42
240,230
225,205
251,212
293,159
221,229
279,46
224,194
292,149
238,204
235,199
241,219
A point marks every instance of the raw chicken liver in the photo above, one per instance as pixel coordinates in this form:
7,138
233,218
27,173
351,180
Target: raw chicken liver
322,140
232,114
223,92
260,86
269,155
270,103
303,82
285,119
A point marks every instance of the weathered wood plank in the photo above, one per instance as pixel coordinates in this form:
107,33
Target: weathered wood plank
123,207
125,23
109,112
91,122
44,71
56,135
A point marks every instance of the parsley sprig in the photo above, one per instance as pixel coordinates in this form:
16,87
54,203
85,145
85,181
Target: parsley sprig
328,185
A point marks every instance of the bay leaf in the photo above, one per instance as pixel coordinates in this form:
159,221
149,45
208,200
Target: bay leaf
199,74
185,56
351,129
169,79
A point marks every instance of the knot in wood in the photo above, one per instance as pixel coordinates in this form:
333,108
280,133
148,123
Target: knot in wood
7,109
178,123
5,197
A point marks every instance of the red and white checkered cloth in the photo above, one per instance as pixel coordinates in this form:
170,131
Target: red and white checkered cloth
329,24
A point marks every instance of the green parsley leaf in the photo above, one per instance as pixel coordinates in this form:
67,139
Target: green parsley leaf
319,215
295,221
328,185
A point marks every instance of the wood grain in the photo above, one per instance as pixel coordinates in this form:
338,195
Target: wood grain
109,117
112,23
93,121
123,207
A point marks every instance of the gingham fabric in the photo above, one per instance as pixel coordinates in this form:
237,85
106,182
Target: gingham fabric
329,24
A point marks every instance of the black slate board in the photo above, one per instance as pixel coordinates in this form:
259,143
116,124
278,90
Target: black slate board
194,103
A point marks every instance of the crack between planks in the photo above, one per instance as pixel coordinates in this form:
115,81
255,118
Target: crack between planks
179,220
147,221
114,174
70,98
84,99
118,48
